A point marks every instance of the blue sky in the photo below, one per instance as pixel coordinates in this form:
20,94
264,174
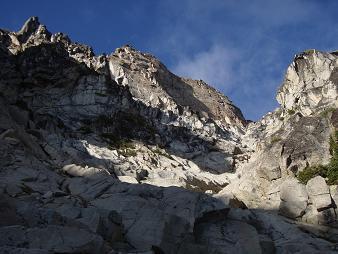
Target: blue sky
241,47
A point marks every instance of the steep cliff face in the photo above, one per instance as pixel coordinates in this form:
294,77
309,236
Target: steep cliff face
295,141
128,95
116,154
310,83
152,83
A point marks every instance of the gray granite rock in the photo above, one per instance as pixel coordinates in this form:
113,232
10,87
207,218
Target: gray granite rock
319,193
294,198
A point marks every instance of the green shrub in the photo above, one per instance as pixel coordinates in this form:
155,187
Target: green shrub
133,124
160,152
329,171
117,142
332,171
310,172
100,94
134,119
291,111
124,146
334,145
110,147
309,51
275,139
111,138
326,112
128,152
26,189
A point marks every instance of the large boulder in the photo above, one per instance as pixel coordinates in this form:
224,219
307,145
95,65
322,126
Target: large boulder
294,198
153,216
76,170
230,236
319,193
269,168
323,217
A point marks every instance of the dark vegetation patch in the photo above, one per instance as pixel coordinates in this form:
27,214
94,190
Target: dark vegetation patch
128,152
275,139
100,94
330,171
119,128
326,112
162,153
85,129
125,125
291,111
117,142
22,105
310,172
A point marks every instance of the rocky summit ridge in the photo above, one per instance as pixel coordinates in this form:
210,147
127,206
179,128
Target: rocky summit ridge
116,154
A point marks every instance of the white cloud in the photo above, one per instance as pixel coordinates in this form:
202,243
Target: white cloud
242,47
214,66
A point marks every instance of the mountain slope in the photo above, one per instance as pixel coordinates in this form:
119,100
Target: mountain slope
115,154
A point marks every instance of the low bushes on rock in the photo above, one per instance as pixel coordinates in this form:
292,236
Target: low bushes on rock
330,171
311,172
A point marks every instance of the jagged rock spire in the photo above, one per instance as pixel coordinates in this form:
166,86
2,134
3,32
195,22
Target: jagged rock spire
30,26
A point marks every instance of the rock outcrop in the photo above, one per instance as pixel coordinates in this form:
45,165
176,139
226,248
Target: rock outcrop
294,198
310,83
319,193
116,154
295,137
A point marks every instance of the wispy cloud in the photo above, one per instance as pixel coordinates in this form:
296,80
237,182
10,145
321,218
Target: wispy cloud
214,66
242,47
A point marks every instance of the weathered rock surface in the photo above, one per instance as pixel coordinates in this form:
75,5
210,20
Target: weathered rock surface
319,193
310,83
115,154
294,198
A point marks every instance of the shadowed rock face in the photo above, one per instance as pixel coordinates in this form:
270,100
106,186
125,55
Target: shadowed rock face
158,87
115,154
